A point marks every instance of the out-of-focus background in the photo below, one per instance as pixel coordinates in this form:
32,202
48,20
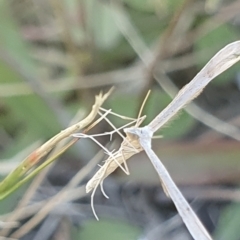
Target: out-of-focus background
55,56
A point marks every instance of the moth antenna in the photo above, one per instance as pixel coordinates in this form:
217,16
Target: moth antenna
111,134
98,120
108,153
117,129
141,109
117,115
125,163
140,119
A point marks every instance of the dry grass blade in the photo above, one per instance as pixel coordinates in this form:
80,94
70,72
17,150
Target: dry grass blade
14,177
223,60
192,222
197,112
76,127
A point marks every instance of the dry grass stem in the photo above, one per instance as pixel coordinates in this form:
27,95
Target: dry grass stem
12,180
223,60
45,148
35,156
197,112
190,219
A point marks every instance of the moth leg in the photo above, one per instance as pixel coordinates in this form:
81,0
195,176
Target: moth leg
125,164
103,191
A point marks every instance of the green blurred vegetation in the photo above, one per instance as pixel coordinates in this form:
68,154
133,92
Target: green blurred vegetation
116,230
81,38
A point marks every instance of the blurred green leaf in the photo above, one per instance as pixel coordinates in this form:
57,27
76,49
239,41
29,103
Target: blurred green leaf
108,229
213,42
7,205
33,118
10,38
124,105
163,7
228,226
30,113
143,5
104,29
